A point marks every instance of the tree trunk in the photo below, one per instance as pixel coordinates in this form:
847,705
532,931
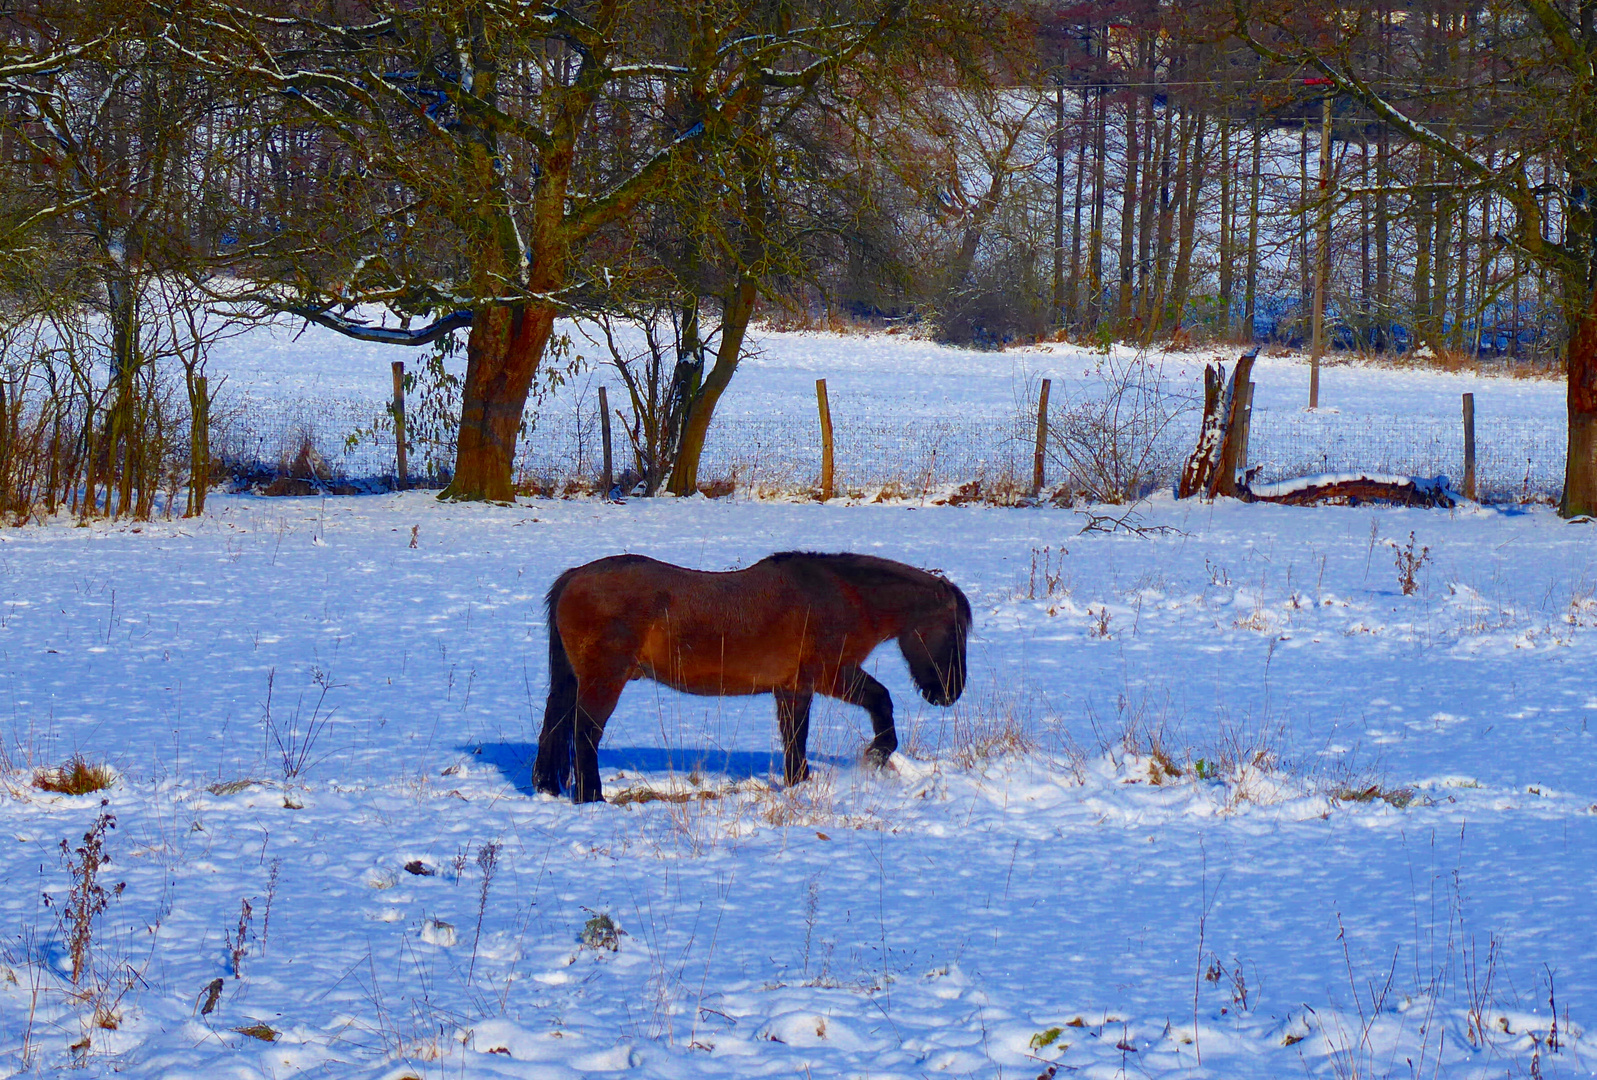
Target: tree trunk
1423,224
1073,285
740,302
1364,240
502,354
1196,173
1461,297
1226,222
1095,294
1156,151
1059,318
1128,216
1383,254
1580,467
1251,285
1304,274
1442,260
1159,315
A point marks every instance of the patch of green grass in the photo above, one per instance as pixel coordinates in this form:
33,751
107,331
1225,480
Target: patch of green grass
1045,1039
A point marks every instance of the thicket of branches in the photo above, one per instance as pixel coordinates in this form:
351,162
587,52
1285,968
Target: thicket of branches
1129,170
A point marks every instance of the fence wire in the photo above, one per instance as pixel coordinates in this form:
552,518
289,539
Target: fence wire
1516,458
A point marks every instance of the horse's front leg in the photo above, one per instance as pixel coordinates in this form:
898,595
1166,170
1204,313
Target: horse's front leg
858,688
793,721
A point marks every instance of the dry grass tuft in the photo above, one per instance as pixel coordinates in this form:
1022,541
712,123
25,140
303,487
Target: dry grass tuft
640,795
76,777
970,736
1395,797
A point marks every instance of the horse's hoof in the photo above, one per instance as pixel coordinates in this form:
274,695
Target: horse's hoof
588,797
876,757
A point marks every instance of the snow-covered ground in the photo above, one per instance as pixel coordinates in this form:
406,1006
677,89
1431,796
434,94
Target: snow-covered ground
1221,799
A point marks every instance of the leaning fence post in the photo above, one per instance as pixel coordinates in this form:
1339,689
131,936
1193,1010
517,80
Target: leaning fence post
826,439
604,431
1469,446
1042,439
1247,430
402,475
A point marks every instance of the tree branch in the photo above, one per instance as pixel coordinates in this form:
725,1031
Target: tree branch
385,335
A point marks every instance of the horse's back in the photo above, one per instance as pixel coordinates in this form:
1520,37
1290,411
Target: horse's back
729,632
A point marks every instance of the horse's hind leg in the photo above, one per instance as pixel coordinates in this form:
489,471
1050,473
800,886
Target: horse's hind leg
858,688
793,721
595,702
552,770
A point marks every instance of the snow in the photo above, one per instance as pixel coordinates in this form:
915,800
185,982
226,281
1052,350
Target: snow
1210,790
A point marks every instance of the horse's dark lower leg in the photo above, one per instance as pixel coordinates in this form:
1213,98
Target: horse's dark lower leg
793,721
552,770
594,706
858,688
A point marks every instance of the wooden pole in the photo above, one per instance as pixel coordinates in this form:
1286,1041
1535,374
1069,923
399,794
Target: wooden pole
1042,439
1322,256
402,473
826,439
604,431
1247,427
1469,446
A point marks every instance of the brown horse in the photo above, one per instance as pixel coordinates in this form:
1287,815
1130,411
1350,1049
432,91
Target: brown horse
794,625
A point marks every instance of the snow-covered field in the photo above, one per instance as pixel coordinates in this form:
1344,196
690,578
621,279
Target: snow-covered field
1220,800
907,409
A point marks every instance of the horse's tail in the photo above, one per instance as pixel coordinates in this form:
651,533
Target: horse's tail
562,679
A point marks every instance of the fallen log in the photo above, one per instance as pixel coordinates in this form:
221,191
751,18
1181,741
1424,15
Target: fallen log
1351,489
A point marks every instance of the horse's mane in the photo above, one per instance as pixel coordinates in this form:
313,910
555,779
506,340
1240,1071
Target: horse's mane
872,570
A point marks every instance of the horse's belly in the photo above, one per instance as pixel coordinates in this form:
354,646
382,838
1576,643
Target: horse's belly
724,667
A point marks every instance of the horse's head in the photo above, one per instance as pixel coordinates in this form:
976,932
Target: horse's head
934,646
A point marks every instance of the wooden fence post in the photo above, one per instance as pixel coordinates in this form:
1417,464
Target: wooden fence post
402,474
604,431
1469,446
826,439
1042,439
1247,428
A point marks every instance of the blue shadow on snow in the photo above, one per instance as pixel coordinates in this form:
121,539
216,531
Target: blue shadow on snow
514,761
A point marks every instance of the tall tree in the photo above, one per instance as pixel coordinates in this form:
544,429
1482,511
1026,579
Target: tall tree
472,177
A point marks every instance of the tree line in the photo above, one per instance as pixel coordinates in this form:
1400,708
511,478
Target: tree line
426,173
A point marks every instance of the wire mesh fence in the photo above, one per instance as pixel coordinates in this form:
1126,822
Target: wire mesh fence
1516,458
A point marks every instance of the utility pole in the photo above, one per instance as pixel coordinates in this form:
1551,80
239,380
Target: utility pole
1322,256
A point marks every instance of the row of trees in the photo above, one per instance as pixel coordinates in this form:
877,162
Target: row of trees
1122,170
